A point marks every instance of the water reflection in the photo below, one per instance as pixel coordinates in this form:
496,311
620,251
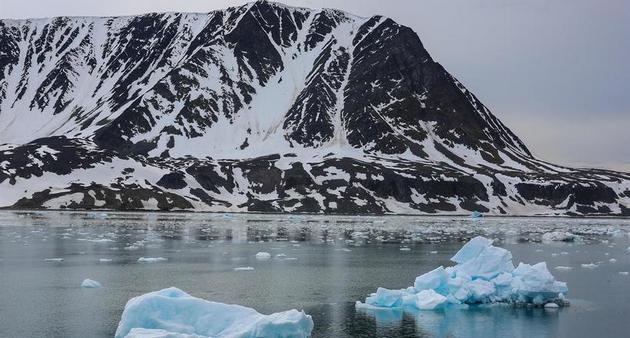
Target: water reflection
476,321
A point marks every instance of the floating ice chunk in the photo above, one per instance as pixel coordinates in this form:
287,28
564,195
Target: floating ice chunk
104,260
151,259
53,259
563,268
560,236
385,298
483,274
173,313
624,273
551,305
90,284
476,214
612,260
263,256
589,265
405,249
244,268
100,240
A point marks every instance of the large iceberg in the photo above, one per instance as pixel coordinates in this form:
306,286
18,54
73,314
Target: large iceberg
173,313
483,274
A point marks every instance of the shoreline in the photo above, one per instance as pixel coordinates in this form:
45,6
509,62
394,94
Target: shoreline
436,215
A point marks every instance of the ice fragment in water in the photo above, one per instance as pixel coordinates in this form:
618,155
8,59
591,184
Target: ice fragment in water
263,256
483,274
173,313
90,284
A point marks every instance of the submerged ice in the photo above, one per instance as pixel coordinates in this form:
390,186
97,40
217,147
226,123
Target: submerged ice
483,274
173,313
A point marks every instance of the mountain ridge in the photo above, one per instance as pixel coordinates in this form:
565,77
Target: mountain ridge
224,107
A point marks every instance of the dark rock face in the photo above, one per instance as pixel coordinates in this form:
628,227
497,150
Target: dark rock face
261,108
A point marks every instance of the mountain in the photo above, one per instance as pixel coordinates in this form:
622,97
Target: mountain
262,107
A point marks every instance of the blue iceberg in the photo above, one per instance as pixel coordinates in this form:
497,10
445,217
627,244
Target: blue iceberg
483,274
173,313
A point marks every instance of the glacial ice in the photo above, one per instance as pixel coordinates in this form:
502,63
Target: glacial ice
173,313
560,236
483,274
244,268
151,259
90,284
263,256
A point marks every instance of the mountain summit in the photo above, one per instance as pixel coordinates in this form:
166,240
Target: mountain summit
262,107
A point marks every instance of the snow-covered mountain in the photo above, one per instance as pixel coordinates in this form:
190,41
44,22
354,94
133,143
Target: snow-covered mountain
262,107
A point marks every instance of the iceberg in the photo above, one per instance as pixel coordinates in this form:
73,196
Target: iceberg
173,313
482,274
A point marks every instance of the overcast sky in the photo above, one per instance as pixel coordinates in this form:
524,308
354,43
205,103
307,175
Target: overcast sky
557,72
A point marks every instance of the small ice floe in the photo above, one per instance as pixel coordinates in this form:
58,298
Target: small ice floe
560,236
53,259
244,268
476,214
433,252
100,240
483,274
563,268
590,265
263,256
104,260
173,313
612,260
552,306
344,250
151,259
404,248
90,284
281,255
624,273
564,253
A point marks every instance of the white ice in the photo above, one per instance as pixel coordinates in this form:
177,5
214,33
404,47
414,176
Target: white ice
173,313
90,284
560,236
483,274
244,268
151,259
263,256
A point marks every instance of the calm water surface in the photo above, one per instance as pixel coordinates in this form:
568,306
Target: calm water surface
330,263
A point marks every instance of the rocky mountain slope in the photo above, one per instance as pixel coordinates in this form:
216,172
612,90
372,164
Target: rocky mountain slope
262,107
